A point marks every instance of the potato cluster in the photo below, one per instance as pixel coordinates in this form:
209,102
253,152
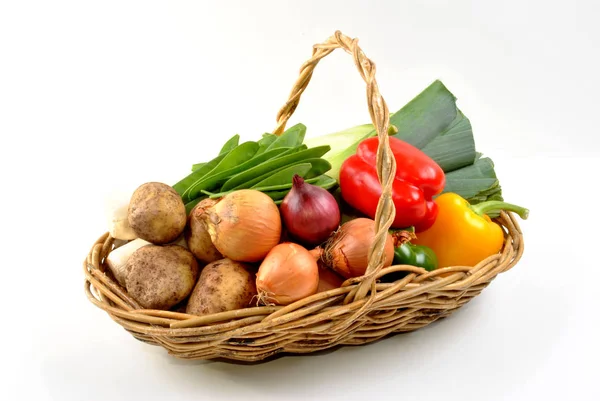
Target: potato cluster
173,261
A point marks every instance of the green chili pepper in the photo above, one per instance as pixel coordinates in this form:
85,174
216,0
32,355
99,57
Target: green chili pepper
265,142
273,164
319,167
323,181
197,173
231,144
222,173
293,136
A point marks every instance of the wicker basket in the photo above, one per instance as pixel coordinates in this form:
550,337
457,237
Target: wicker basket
361,311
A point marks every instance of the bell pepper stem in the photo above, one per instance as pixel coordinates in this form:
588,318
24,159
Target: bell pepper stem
399,237
496,206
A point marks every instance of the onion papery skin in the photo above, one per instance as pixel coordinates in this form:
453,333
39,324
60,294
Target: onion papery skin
287,274
347,250
244,225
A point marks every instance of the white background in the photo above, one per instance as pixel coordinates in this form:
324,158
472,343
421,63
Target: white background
99,97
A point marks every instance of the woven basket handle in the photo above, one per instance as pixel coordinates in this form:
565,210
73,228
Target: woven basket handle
386,164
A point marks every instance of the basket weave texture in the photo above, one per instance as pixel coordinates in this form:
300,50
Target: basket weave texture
361,311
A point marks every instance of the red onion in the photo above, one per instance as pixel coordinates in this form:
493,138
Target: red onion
309,212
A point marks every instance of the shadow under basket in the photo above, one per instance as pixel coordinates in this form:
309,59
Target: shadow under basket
363,310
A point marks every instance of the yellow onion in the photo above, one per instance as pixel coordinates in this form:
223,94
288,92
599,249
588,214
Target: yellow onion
244,225
347,250
287,274
328,280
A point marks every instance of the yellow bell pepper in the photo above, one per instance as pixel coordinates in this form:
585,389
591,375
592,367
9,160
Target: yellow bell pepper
463,234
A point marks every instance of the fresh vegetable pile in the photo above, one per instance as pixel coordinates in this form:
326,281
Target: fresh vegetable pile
273,221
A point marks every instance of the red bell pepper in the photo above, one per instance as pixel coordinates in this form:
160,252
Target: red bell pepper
418,179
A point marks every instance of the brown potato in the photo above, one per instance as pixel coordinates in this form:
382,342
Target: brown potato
198,238
156,213
223,285
159,277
